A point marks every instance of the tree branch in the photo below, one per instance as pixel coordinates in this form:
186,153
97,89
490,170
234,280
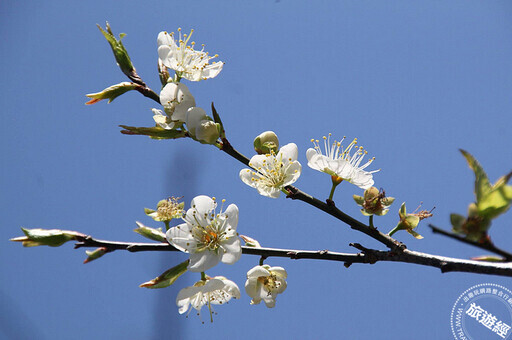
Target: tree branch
297,194
507,257
369,256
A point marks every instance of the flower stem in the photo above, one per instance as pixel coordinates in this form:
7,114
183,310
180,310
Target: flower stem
395,229
261,260
335,182
166,225
203,276
371,221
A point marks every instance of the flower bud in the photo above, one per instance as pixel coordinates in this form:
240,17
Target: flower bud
166,210
111,92
201,127
250,242
409,222
374,202
472,210
95,254
150,233
267,142
163,72
168,277
176,100
371,193
120,53
474,227
46,237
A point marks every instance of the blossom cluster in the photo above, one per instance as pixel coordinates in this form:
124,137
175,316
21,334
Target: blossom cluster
178,102
209,238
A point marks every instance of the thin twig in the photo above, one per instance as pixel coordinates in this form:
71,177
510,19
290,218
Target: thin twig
147,92
369,256
507,257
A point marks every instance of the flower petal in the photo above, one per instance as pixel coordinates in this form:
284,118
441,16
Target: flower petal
279,271
199,262
257,271
289,151
252,288
232,214
292,173
233,250
181,237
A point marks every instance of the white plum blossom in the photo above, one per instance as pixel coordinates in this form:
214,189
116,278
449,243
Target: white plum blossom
339,161
264,283
208,237
163,120
176,100
202,127
271,173
217,290
184,60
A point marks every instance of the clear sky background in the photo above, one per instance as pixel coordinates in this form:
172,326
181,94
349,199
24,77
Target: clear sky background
412,80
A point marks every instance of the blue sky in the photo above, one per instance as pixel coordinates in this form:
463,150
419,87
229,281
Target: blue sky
412,80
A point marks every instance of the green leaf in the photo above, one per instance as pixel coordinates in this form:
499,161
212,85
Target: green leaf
488,258
168,277
111,92
495,202
457,222
120,53
46,237
358,199
95,254
502,180
150,233
482,185
154,132
216,119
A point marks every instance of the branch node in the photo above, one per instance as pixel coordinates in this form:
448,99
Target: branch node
293,255
323,252
445,267
358,246
330,203
292,192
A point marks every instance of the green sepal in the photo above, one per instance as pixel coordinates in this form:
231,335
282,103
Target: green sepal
168,277
120,53
216,119
151,233
403,211
358,199
415,234
382,212
387,201
155,132
148,211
